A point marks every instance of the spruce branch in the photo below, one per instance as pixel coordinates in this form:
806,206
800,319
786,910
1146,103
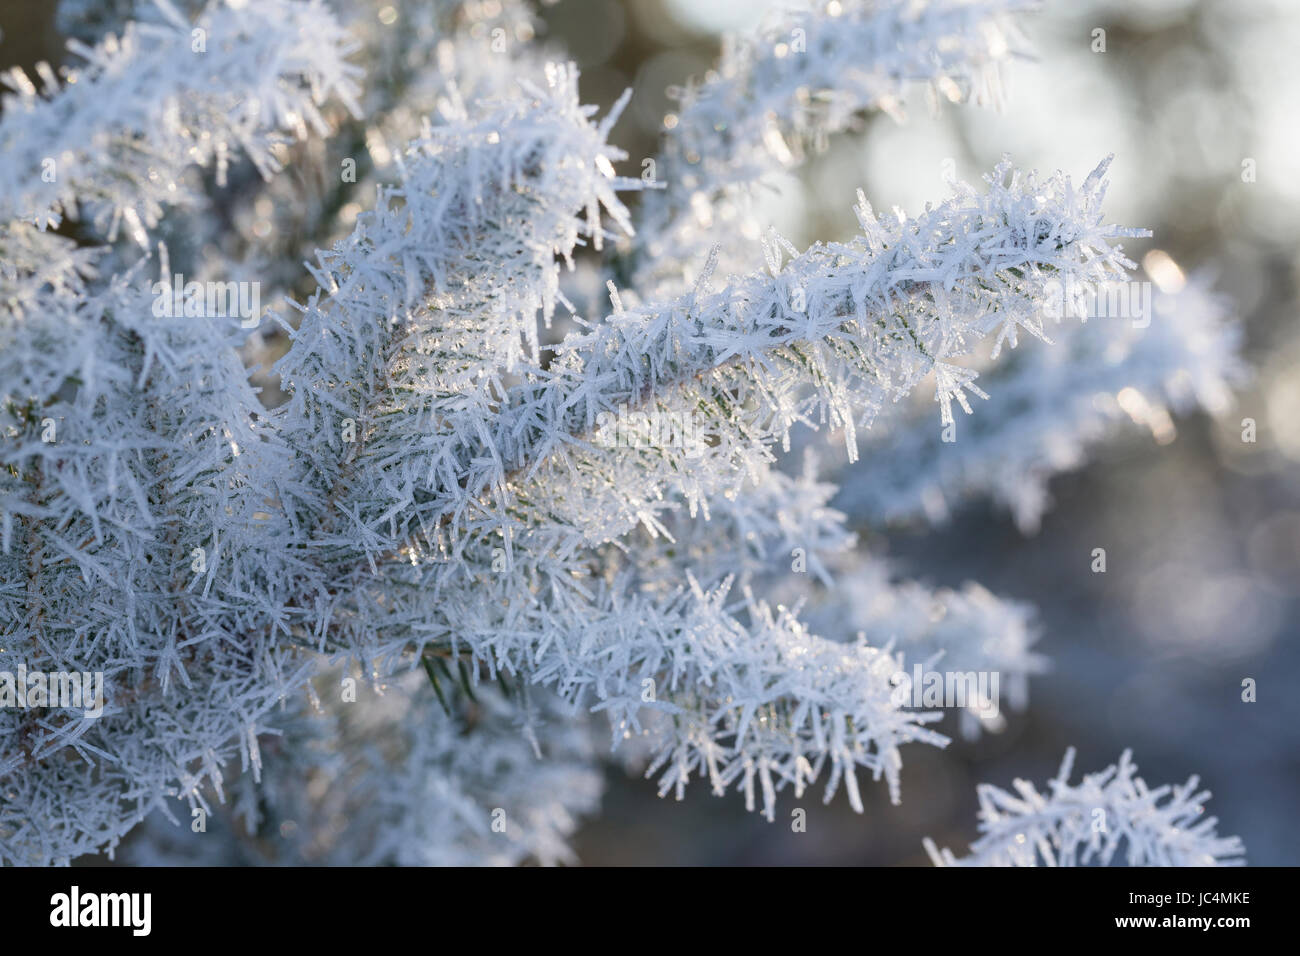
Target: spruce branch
1087,823
116,135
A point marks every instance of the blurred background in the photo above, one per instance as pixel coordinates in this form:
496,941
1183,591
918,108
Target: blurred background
1198,100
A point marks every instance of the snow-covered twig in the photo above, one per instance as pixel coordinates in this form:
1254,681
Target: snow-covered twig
1088,823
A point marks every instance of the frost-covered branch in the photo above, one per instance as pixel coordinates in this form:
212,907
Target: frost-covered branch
827,337
1047,405
946,631
445,501
117,134
870,319
808,72
134,544
425,60
1088,823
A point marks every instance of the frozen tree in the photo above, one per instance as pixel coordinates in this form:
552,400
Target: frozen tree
398,616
